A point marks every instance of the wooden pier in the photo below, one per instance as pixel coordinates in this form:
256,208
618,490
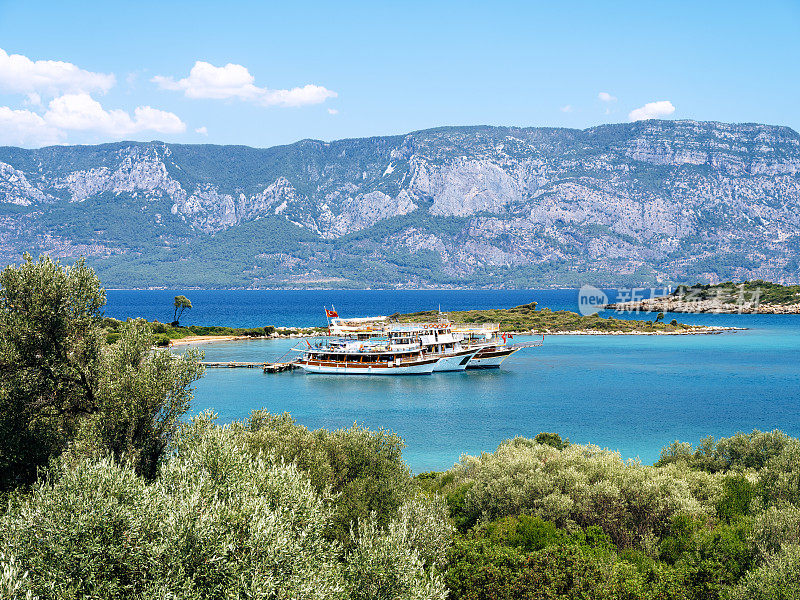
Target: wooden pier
279,366
266,366
234,365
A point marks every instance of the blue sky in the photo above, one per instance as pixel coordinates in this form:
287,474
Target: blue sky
350,69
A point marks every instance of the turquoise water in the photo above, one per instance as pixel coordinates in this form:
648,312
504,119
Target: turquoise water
634,394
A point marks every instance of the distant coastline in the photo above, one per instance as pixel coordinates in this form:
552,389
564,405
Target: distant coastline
750,297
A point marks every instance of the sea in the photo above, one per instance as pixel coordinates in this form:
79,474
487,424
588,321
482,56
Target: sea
631,394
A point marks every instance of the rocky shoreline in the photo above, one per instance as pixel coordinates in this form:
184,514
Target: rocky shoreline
677,305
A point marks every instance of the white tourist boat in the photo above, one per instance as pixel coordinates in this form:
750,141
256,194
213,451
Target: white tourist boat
437,339
492,346
378,346
365,357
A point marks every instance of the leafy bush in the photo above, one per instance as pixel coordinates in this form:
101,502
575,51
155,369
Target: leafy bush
779,480
777,579
217,522
740,451
481,570
551,439
716,558
775,527
384,565
143,394
363,468
581,485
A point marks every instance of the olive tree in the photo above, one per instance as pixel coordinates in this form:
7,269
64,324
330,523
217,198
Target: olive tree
50,354
143,393
61,383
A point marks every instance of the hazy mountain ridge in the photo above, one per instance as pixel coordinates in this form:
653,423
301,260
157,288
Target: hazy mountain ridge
471,206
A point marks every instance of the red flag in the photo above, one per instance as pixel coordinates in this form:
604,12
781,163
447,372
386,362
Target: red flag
331,314
504,338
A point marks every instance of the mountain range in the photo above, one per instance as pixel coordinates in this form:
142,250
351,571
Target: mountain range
644,203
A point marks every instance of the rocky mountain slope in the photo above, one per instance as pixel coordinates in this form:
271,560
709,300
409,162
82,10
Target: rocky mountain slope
634,203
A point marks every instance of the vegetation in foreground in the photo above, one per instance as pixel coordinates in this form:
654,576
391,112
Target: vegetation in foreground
108,494
526,317
729,292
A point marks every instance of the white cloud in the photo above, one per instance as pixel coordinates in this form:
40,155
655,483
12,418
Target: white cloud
567,108
202,130
207,81
606,97
299,96
20,74
81,112
235,82
652,110
333,111
26,128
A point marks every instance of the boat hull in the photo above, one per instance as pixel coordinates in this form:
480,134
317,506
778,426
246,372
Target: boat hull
490,358
457,361
422,367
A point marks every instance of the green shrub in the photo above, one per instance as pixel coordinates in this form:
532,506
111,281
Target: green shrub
740,451
143,394
463,518
524,532
551,439
775,527
161,340
777,579
779,480
363,468
217,522
581,485
110,323
384,565
737,495
680,539
713,558
480,570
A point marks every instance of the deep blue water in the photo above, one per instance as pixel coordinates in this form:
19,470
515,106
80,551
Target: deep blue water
634,394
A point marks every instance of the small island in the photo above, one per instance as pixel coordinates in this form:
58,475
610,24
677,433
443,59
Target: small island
749,297
526,319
